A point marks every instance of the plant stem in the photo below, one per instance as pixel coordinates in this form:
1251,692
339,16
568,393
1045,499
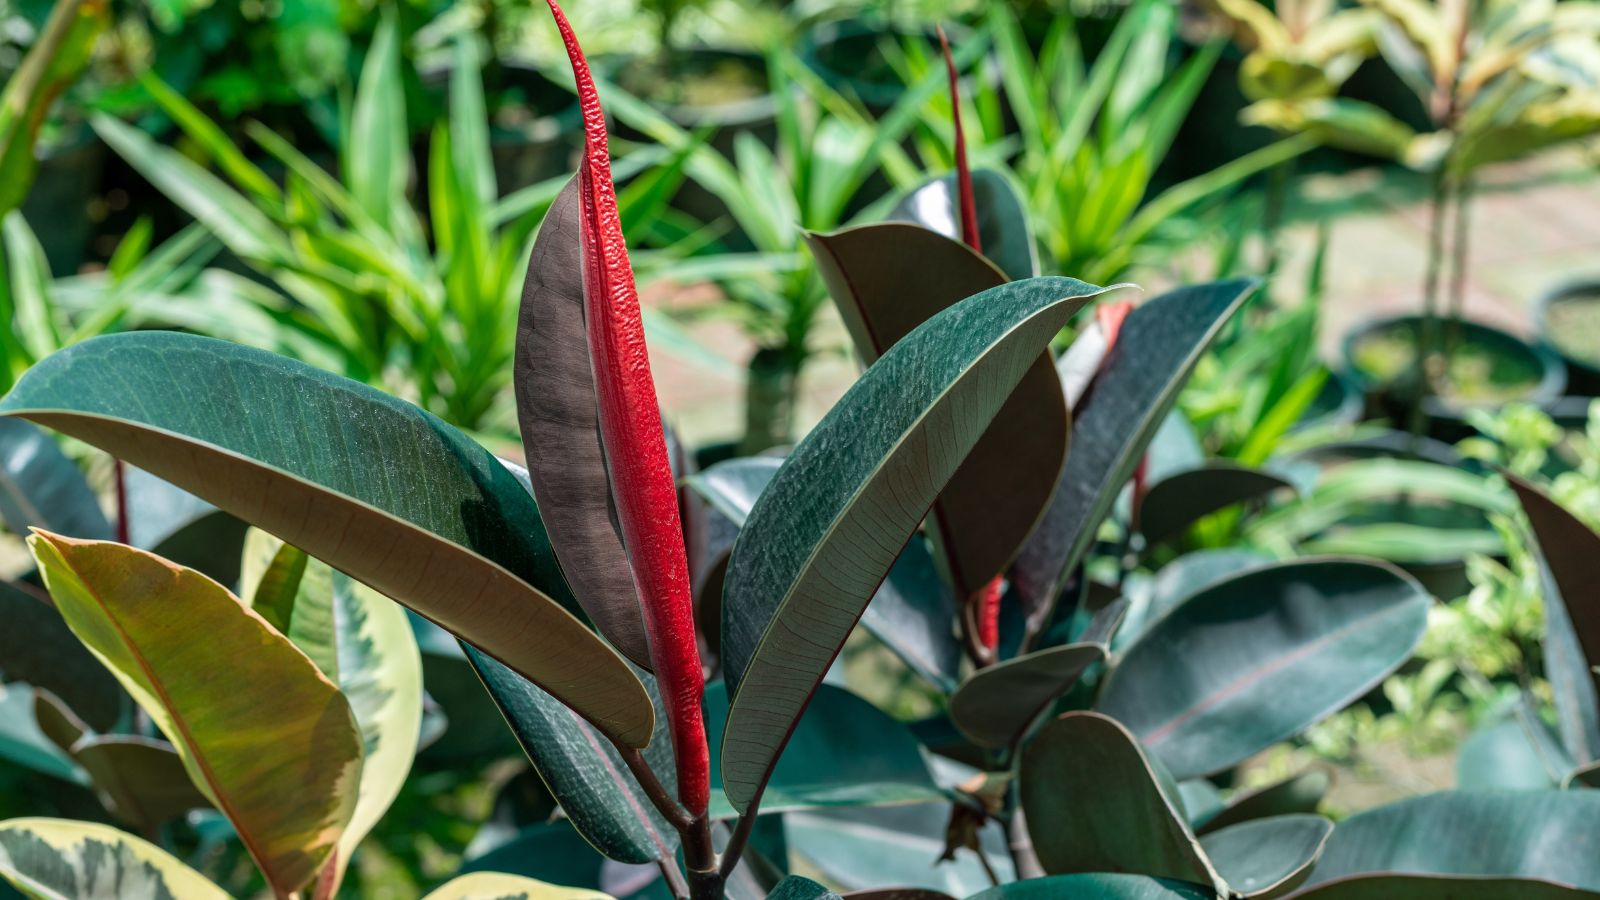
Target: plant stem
1458,260
1426,340
673,878
1020,843
658,794
1279,179
700,858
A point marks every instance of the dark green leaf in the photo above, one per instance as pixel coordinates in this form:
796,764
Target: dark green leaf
796,887
897,893
826,531
1423,887
449,524
1149,599
1300,793
1157,347
1588,776
844,752
1003,227
997,704
583,770
913,611
37,647
1502,834
558,412
1181,499
1086,761
24,742
1096,887
1509,755
901,845
1571,554
888,279
1256,659
1269,857
40,486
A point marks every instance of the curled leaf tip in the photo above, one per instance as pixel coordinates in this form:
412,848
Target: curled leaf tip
965,198
634,446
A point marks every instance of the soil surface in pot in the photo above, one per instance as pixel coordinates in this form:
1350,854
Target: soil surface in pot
1477,373
695,79
1572,325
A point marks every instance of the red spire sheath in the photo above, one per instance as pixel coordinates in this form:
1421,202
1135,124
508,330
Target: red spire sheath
636,451
969,210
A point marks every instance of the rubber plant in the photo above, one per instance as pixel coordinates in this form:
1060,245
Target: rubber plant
570,585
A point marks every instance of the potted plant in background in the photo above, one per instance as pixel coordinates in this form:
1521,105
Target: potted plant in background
1496,86
1568,319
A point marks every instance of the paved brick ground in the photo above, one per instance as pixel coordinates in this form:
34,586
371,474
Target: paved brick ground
1535,225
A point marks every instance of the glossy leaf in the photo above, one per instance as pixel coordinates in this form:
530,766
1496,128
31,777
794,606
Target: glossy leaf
1424,887
888,279
865,848
1509,755
37,647
25,742
643,489
1181,499
1149,599
1095,886
269,740
1003,225
457,526
912,612
797,887
998,703
844,752
1156,348
1086,761
40,486
897,893
60,859
1300,793
583,770
141,780
556,406
825,532
362,641
1570,551
499,886
1256,659
1498,834
1270,857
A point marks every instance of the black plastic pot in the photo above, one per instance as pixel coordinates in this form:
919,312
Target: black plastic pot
1583,370
1338,403
1546,380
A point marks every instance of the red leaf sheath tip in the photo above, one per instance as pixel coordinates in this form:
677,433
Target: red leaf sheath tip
989,614
969,208
636,451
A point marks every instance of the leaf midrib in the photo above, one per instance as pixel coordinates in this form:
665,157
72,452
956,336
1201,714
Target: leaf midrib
179,722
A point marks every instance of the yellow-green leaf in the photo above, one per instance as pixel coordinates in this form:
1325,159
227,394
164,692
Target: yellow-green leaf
268,739
367,648
499,886
59,859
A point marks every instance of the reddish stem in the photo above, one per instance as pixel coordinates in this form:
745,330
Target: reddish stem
119,476
968,203
635,448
